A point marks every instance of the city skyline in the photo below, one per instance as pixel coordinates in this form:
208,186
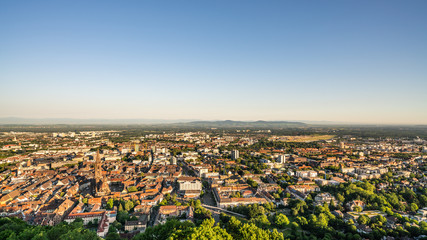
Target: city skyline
355,62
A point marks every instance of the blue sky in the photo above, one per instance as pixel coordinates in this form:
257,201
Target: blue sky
347,61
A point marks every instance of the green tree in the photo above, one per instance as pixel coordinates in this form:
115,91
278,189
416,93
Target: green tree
322,221
128,205
363,219
165,231
298,207
256,210
275,235
112,236
312,220
301,220
414,207
261,221
201,213
281,220
110,203
340,197
380,219
205,231
252,183
233,227
12,236
251,231
122,217
357,208
132,189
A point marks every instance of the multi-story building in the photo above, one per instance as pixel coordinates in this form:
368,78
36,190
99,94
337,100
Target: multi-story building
189,183
235,154
307,174
281,159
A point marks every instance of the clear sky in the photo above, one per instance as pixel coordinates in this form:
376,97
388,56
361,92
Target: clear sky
351,61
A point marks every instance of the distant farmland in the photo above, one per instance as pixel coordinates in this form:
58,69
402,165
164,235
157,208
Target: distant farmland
304,138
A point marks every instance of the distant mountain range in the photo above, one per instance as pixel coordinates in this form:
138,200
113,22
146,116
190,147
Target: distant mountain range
158,122
184,123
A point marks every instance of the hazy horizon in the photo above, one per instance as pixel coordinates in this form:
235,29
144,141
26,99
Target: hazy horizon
339,61
119,121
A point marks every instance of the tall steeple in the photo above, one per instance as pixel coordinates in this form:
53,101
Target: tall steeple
98,168
101,181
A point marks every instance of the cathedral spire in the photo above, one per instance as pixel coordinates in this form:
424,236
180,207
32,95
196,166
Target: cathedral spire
98,167
101,181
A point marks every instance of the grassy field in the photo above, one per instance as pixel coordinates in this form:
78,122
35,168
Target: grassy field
4,155
370,214
308,138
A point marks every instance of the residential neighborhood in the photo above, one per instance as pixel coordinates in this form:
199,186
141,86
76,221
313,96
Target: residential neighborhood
127,186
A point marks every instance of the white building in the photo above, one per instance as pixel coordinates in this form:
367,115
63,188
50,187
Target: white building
310,174
173,161
194,184
235,154
281,159
322,198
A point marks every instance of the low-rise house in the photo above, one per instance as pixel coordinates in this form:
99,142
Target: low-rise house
86,217
338,213
355,203
364,229
185,212
9,197
301,191
325,197
139,225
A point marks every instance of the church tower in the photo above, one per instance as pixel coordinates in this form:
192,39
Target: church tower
101,182
98,168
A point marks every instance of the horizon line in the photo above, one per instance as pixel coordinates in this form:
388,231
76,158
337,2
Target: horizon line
183,120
